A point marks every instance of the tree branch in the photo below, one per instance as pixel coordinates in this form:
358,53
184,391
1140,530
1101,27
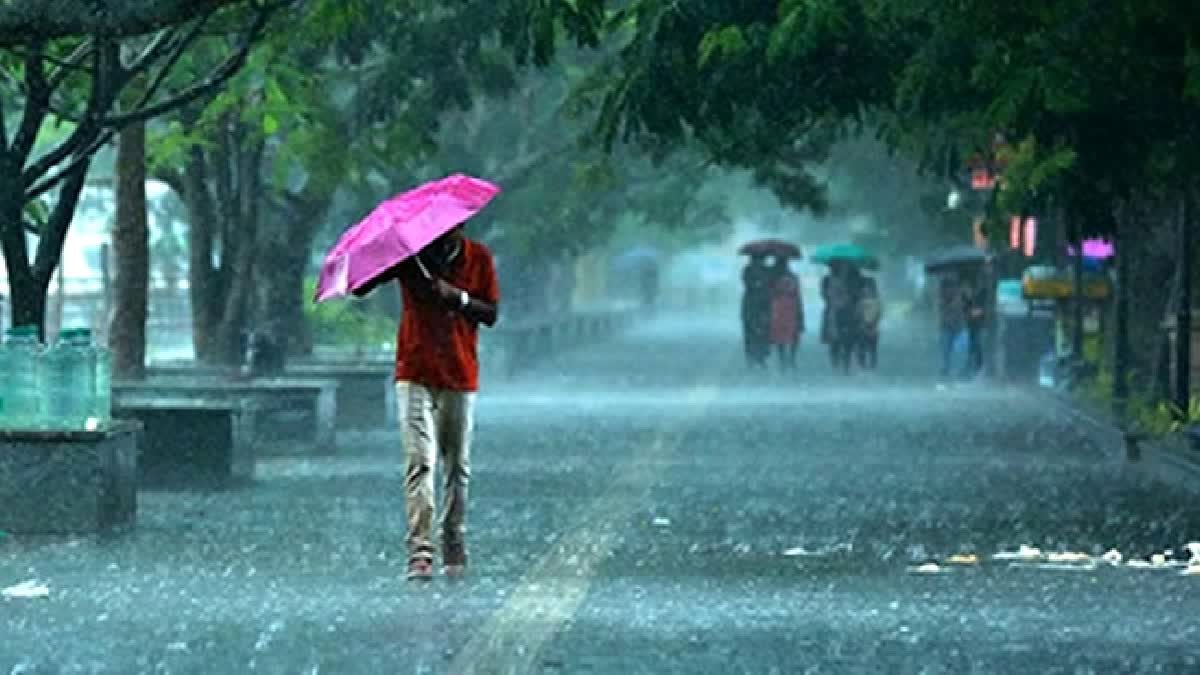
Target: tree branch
85,132
210,85
177,46
83,157
37,100
4,148
113,123
26,21
173,178
153,51
49,250
72,63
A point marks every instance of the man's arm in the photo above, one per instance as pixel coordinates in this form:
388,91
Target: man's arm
473,308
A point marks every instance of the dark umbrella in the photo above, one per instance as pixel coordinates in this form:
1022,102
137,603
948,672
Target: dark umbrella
771,247
955,258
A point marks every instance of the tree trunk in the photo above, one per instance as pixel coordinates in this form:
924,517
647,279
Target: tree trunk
1078,299
222,219
1121,347
131,245
22,311
56,306
204,282
281,300
1183,321
281,283
27,301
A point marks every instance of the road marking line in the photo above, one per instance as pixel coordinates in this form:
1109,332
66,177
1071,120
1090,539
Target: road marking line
551,593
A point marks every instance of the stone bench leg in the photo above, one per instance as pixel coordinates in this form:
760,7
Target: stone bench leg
193,447
244,460
71,486
326,421
391,413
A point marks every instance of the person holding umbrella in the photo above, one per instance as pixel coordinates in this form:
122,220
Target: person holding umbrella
787,313
757,297
841,289
449,288
964,303
870,311
756,309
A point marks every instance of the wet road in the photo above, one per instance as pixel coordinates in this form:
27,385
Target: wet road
647,507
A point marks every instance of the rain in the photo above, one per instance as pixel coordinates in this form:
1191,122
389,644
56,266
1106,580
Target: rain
598,337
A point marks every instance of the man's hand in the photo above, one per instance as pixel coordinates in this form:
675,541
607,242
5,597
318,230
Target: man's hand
448,293
473,309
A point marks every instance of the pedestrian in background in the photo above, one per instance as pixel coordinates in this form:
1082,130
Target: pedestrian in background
787,313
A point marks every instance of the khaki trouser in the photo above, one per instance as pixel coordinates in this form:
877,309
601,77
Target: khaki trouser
435,422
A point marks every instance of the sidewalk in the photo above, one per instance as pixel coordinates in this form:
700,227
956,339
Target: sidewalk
1169,459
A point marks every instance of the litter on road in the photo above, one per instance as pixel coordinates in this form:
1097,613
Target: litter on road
26,590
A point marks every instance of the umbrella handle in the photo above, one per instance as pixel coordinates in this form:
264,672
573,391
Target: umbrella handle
422,266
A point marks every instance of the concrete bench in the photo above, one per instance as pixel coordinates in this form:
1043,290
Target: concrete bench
366,395
192,441
69,482
523,342
287,413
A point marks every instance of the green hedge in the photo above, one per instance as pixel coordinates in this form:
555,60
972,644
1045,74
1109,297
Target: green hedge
346,322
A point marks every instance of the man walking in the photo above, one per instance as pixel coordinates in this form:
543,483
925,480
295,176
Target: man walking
952,320
448,290
975,316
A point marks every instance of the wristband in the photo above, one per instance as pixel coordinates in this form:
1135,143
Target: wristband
465,299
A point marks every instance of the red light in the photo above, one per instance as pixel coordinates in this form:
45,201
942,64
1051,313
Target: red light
982,179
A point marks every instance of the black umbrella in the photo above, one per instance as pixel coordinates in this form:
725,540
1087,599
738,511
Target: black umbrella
955,258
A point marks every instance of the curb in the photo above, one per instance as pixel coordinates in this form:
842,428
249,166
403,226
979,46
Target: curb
1168,460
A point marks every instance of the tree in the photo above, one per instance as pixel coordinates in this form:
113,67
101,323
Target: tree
23,22
334,112
131,247
98,83
767,86
563,196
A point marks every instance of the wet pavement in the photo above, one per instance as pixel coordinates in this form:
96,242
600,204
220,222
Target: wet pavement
648,507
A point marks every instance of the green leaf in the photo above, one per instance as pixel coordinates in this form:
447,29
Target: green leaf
270,124
725,42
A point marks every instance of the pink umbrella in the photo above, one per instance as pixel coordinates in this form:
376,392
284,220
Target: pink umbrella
398,229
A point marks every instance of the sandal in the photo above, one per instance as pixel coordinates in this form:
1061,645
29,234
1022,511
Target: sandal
420,568
454,560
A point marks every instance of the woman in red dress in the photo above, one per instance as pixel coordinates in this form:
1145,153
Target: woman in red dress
787,313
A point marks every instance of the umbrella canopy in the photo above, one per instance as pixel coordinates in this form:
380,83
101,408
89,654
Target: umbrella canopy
846,252
955,258
636,257
771,247
398,229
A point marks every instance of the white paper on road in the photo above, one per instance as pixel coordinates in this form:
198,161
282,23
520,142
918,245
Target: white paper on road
1193,548
1023,553
26,590
1060,566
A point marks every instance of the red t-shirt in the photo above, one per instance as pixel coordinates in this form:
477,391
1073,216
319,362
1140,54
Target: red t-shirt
437,346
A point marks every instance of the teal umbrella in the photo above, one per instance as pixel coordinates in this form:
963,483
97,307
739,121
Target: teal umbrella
851,253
